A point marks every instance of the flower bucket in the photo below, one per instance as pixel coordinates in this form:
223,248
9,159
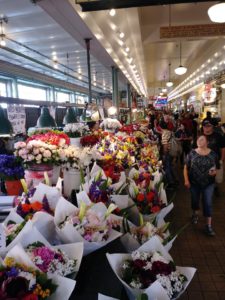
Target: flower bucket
56,174
13,187
71,180
36,174
75,142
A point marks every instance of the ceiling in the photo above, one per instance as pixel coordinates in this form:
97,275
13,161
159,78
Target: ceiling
36,35
60,26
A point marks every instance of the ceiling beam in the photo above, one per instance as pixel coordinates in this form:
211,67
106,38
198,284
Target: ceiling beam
95,5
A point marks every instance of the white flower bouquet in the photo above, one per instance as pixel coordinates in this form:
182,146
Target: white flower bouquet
85,224
155,272
109,123
75,130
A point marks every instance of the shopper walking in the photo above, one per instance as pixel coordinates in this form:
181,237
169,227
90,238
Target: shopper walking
199,177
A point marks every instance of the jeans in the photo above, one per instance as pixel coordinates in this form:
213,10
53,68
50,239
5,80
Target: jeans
207,194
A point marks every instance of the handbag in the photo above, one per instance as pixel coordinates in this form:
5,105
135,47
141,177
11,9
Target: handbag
175,146
219,173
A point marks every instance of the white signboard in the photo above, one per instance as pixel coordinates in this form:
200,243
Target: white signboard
17,117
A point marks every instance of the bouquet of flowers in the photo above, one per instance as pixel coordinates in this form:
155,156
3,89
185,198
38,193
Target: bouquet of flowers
77,158
37,152
109,123
89,140
86,224
12,229
28,282
11,167
20,282
151,270
52,137
76,130
50,260
27,208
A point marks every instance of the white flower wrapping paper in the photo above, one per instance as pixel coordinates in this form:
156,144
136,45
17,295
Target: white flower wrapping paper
65,285
52,193
154,291
73,250
68,234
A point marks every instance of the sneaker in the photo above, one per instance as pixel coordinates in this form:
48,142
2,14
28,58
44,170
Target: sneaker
209,231
194,219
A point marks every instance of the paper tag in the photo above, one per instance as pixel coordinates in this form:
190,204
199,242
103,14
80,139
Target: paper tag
2,237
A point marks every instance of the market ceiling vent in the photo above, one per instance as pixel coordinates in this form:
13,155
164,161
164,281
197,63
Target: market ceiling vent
94,5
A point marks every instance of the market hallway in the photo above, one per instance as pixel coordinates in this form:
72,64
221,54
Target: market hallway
193,248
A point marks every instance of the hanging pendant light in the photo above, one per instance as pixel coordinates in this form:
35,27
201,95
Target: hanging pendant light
169,82
70,116
45,119
217,13
181,70
5,125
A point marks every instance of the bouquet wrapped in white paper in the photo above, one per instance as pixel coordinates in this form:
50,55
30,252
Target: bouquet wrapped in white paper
12,230
103,297
60,260
160,278
85,224
18,267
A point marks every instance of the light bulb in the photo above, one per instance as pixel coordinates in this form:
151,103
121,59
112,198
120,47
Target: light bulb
127,49
3,43
122,35
169,84
216,13
222,85
112,12
55,66
180,70
164,90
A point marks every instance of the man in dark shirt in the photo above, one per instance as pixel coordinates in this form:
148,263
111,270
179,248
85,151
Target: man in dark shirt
216,142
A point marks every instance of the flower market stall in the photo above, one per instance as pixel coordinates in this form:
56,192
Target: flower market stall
108,196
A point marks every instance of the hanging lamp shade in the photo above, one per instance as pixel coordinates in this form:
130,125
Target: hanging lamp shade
5,125
70,116
217,13
181,70
45,119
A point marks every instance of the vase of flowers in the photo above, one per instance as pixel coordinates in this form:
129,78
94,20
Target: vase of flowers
35,174
11,171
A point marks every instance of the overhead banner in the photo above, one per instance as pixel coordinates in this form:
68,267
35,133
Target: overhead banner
161,102
17,117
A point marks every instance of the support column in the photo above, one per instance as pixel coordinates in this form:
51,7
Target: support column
129,102
87,41
115,93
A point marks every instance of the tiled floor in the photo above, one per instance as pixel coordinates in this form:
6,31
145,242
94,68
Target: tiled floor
193,248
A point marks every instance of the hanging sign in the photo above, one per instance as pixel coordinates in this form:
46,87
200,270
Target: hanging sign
187,31
17,117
